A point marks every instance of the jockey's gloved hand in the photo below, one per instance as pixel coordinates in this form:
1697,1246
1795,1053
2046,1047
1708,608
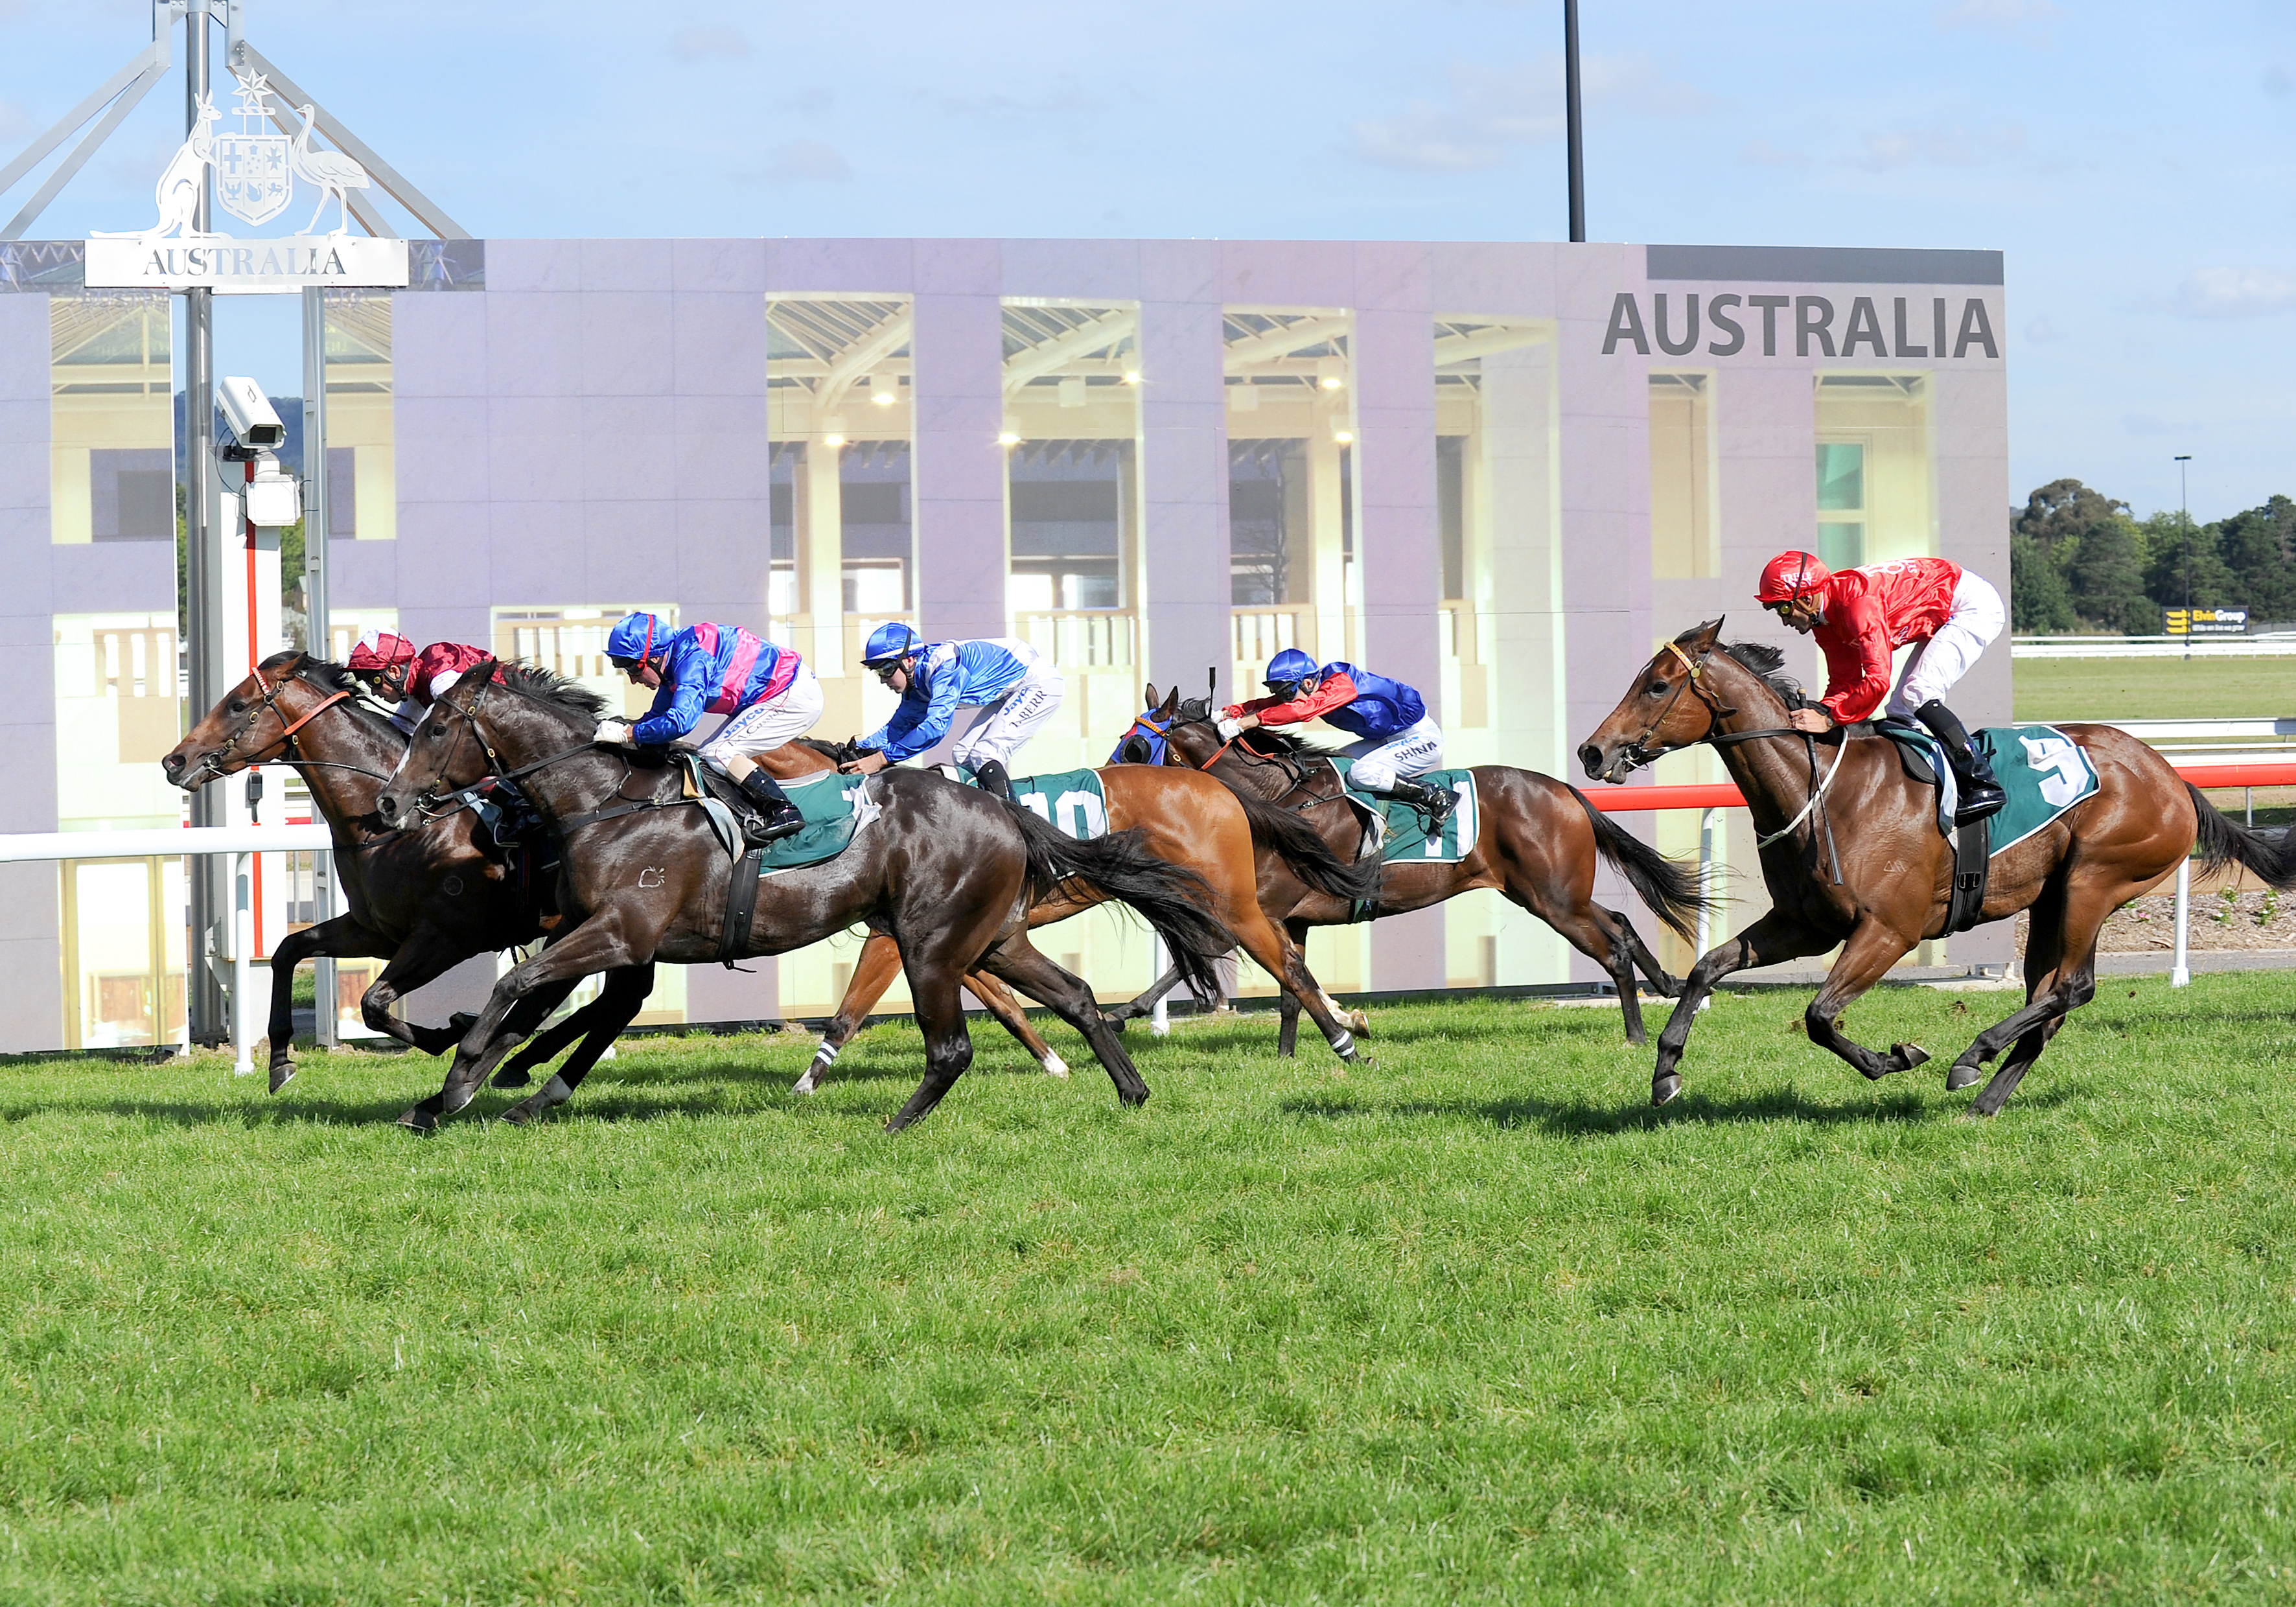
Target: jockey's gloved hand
612,733
1230,729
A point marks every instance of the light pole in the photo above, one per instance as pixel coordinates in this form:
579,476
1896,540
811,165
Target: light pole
1574,143
2184,534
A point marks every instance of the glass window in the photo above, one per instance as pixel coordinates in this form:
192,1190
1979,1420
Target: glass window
1684,541
1291,426
113,472
1875,473
362,452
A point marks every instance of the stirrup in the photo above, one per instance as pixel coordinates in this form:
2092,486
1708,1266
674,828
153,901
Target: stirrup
1978,800
762,829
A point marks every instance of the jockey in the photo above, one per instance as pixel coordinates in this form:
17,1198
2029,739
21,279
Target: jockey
1861,615
1396,737
771,694
1002,675
390,664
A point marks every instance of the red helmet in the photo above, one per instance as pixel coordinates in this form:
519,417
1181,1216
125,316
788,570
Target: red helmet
1791,575
379,651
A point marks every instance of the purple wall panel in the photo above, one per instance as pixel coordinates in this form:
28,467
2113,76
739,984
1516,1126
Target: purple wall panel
959,366
1183,477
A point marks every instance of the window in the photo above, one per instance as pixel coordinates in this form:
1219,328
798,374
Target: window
1842,503
1291,425
113,472
1685,540
362,452
1874,467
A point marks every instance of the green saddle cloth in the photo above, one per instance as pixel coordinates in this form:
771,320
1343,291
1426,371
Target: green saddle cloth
827,802
1404,836
2044,772
1073,802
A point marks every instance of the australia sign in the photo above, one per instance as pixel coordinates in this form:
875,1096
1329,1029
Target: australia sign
255,173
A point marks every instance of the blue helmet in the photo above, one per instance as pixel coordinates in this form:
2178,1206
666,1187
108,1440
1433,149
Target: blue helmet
890,641
1289,667
634,635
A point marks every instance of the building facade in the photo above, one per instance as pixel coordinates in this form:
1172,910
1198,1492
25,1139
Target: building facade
1500,472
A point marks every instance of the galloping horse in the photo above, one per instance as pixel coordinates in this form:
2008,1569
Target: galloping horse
1884,880
1189,820
949,872
1537,844
424,902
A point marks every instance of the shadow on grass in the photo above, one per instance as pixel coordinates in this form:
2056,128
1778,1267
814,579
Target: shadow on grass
1585,1119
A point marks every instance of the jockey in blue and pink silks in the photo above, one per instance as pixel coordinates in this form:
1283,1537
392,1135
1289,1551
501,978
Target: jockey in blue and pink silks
1016,692
1397,738
771,694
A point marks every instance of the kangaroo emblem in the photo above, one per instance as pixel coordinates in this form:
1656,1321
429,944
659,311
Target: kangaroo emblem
179,186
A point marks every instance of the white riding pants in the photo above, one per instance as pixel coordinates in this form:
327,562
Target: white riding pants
1380,762
1976,617
1012,719
762,727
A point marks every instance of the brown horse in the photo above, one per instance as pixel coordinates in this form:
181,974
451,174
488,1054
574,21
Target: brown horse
425,902
1538,842
1895,871
1187,820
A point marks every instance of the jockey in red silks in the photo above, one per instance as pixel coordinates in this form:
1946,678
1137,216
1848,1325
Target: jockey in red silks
771,694
1397,738
392,667
1860,616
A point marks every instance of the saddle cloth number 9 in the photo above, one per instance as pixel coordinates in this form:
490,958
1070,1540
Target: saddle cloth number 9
2059,766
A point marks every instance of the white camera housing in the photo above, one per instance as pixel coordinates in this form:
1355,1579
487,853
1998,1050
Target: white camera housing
251,414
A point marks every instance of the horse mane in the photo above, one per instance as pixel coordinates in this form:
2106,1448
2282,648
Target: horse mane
1766,661
569,698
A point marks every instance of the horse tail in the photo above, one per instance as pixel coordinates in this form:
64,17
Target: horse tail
1670,888
1301,847
1172,897
2223,842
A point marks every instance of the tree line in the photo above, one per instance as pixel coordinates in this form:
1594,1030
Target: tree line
2078,562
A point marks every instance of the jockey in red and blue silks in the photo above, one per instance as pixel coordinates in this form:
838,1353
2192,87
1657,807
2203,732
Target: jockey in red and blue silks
1397,738
771,694
1016,691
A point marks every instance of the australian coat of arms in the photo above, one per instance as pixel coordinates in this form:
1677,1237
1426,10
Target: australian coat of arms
255,173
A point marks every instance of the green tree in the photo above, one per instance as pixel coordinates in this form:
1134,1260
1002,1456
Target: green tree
2064,511
2107,574
2169,542
2040,603
2044,546
2258,548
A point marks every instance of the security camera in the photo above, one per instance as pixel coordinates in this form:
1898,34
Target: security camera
249,413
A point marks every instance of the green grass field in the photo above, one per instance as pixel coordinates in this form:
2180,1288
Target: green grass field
2154,689
1475,1323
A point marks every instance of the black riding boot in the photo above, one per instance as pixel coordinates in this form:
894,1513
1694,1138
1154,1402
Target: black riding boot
1436,803
991,778
776,816
1981,795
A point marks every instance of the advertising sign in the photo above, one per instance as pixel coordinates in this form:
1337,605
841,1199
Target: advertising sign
2207,622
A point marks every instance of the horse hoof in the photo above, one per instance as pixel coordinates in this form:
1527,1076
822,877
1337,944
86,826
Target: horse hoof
1664,1088
282,1072
1056,1067
804,1084
518,1115
1116,1020
1910,1056
513,1079
460,1022
1963,1074
419,1120
1975,1114
1359,1022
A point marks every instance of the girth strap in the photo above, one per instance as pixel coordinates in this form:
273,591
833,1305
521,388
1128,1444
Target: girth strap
1973,867
741,907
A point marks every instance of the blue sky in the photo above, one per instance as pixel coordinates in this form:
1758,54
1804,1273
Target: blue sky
2133,160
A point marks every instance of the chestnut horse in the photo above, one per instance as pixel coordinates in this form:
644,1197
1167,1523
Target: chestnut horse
1895,870
426,903
1189,820
1537,844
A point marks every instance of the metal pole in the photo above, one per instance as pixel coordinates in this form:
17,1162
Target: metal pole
1160,1019
209,881
2180,974
1570,112
317,638
2184,530
242,964
1708,821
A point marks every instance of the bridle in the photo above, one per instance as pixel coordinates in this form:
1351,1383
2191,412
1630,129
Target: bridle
217,756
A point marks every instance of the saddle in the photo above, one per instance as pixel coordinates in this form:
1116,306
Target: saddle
1925,765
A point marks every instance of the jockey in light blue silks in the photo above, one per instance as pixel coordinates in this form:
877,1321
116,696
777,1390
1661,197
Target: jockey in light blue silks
1018,690
1398,738
769,691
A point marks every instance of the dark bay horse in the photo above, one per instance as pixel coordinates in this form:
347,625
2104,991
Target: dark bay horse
1538,842
425,902
1185,819
1895,871
949,872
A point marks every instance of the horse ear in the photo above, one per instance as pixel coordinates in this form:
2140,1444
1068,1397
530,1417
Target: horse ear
1702,637
1152,701
1171,701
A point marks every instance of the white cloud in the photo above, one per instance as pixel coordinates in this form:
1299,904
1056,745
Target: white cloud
1488,109
1947,145
2229,292
807,160
694,44
1762,153
2003,16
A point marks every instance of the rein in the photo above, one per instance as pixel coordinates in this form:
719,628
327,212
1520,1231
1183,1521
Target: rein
428,798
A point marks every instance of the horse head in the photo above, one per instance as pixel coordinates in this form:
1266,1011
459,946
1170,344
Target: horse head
256,721
1673,704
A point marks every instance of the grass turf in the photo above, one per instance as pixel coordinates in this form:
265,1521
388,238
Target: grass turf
1474,1322
2154,689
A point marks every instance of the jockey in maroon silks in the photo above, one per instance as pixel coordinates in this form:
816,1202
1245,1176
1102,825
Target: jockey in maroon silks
391,665
1861,617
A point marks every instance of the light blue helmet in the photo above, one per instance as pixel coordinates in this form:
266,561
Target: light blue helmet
1289,667
890,641
634,635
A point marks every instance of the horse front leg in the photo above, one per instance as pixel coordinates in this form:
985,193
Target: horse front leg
1874,948
873,970
1017,960
998,1001
342,937
1775,936
601,1020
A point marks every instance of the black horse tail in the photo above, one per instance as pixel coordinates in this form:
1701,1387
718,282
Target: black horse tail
2222,842
1299,845
1670,890
1172,897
